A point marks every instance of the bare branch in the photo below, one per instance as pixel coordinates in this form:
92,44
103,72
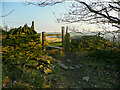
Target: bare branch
7,14
44,3
97,12
80,11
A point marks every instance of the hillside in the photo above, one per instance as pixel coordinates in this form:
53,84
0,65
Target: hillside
92,62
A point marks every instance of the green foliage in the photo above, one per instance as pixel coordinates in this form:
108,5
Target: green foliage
3,31
91,43
22,30
97,47
67,42
22,54
108,56
20,77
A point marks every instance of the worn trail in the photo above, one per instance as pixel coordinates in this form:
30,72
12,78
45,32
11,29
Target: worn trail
80,71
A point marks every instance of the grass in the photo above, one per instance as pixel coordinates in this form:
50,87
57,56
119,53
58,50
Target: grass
100,75
24,64
99,60
50,39
101,64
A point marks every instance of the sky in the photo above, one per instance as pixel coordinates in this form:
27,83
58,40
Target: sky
43,17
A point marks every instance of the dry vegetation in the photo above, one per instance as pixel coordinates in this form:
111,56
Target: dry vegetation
92,62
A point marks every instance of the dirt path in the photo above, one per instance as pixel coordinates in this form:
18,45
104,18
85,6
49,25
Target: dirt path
80,71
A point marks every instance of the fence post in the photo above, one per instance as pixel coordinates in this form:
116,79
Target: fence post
43,41
63,36
66,29
67,42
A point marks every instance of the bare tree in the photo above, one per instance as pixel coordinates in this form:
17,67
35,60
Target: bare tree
7,14
93,12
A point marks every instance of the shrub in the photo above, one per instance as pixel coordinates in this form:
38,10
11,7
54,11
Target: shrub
91,43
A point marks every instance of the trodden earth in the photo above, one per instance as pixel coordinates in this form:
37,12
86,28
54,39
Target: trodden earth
79,70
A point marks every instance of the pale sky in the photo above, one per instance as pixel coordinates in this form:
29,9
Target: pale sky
43,17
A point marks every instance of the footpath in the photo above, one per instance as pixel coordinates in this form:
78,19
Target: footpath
81,71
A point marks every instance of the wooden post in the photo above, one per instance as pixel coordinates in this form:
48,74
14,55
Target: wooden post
32,25
43,41
63,36
67,42
66,30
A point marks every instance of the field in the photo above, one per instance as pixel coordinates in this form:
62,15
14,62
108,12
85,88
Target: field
92,62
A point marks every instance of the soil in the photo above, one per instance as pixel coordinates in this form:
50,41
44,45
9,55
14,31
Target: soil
84,72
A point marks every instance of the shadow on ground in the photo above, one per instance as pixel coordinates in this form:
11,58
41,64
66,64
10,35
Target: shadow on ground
81,70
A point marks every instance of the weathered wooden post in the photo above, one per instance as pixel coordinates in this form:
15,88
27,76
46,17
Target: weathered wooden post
32,27
43,41
67,42
63,36
66,30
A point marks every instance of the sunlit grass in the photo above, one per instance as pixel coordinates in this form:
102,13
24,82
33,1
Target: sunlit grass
23,55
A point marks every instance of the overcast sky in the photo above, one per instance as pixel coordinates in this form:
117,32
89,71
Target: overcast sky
43,17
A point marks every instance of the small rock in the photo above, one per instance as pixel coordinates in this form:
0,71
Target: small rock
62,66
58,61
78,66
86,78
68,60
95,85
14,81
71,67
